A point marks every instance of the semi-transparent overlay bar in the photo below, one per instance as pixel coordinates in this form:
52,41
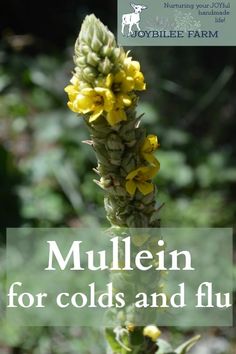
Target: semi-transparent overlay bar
98,277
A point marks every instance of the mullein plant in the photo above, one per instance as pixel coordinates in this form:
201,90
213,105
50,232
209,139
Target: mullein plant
104,91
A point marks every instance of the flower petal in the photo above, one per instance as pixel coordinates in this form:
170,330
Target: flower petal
83,103
153,141
101,90
153,171
145,187
157,164
116,116
127,101
119,77
71,106
69,88
132,174
109,80
128,84
146,146
151,159
130,186
95,115
88,91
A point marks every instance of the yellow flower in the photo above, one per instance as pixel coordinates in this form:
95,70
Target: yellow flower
117,114
130,327
132,69
111,95
152,332
97,100
73,90
128,79
138,179
149,146
120,85
123,100
122,82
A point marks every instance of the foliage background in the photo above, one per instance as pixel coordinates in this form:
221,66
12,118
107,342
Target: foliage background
46,172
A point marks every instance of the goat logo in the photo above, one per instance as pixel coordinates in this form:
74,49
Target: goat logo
132,18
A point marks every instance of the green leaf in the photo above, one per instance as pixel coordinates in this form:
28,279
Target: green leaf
184,348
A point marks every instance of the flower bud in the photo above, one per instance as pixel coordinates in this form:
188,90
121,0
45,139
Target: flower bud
96,44
128,163
106,51
114,142
105,182
89,74
93,59
130,327
80,61
152,332
105,66
85,49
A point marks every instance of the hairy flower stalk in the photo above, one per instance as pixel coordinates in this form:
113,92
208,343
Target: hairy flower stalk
103,90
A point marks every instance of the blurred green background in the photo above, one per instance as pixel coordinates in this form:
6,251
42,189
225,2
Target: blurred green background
46,177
